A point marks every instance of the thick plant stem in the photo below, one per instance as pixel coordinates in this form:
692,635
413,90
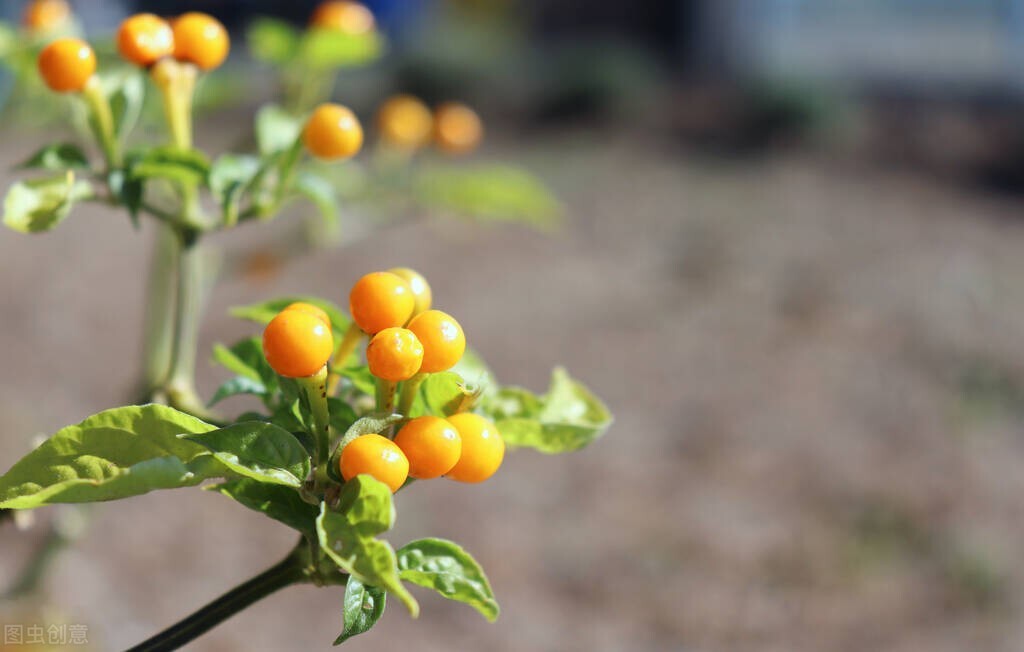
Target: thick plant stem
353,336
158,341
180,384
292,570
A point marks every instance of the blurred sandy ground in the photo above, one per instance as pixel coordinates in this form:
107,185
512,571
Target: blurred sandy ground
815,371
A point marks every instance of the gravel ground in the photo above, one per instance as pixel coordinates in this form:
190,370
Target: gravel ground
818,400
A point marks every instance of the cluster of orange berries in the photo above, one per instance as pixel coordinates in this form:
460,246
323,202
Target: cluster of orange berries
67,64
407,123
407,338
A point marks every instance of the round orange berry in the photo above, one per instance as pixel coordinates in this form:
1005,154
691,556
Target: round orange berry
483,449
380,300
431,444
457,128
145,38
394,354
405,122
310,309
442,338
200,39
67,64
46,15
347,17
376,456
297,344
419,286
333,132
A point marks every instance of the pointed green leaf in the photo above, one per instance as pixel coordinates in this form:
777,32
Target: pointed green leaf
496,193
40,205
446,393
114,454
58,157
235,386
127,93
364,605
451,571
272,41
258,450
276,501
246,359
568,418
347,536
276,129
326,49
188,166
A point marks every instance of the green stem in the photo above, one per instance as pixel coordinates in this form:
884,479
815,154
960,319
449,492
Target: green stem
180,384
315,389
409,390
158,341
349,342
386,395
291,570
102,121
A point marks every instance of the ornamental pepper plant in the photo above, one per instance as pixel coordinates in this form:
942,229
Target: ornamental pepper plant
356,407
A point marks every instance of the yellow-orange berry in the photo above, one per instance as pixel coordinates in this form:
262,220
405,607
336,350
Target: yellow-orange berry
67,64
297,344
405,122
394,354
347,17
419,286
333,132
380,300
432,446
310,309
483,449
46,15
200,39
143,39
442,338
376,456
457,128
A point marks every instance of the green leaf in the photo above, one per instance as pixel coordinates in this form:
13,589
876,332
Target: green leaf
364,605
446,393
40,205
568,418
187,166
235,386
495,193
325,49
276,501
127,94
272,41
115,454
360,378
319,191
342,414
258,450
127,191
58,157
263,312
347,536
369,425
276,129
231,175
246,359
451,571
